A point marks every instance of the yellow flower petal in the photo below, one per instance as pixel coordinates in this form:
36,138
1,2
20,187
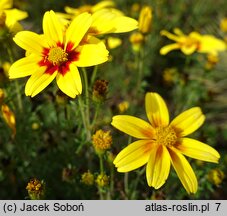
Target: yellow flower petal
188,121
166,49
102,22
38,81
102,4
133,126
178,32
170,35
188,50
6,4
156,110
52,28
158,166
70,83
92,54
198,150
14,15
124,24
24,67
30,41
78,28
184,171
106,21
133,156
210,44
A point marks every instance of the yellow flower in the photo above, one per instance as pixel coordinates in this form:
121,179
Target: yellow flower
145,19
162,143
223,24
194,42
216,176
123,106
9,118
105,21
101,140
212,60
12,16
57,54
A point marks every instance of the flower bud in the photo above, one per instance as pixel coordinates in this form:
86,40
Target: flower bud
145,19
101,141
100,90
36,189
102,180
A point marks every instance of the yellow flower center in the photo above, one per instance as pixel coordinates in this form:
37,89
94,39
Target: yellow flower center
165,136
189,41
57,56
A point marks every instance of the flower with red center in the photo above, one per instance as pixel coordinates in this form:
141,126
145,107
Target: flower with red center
56,54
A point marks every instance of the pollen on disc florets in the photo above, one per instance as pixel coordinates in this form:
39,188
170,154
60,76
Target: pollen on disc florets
57,56
166,136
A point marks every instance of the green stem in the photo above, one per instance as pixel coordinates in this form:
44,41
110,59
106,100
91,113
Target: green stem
126,184
87,104
133,195
97,109
101,194
94,73
111,181
17,87
139,59
101,164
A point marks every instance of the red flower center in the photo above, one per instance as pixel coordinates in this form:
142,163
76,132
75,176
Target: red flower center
58,59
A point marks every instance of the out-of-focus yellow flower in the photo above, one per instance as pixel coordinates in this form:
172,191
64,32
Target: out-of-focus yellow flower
162,143
87,178
145,19
2,96
135,7
9,118
36,189
136,39
113,42
194,42
102,180
105,21
57,53
223,24
11,16
89,8
6,66
216,176
101,140
169,75
35,126
123,106
212,60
